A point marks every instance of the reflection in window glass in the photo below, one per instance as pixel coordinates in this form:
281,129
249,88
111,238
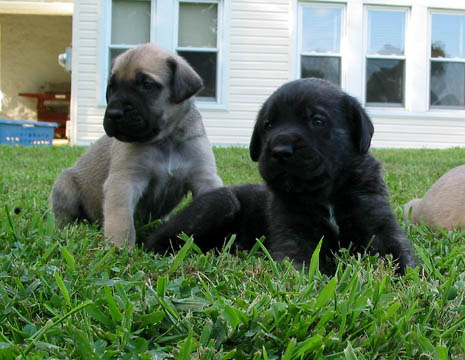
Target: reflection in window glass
321,30
385,60
448,36
386,32
197,25
385,81
320,41
323,67
447,78
447,84
130,22
205,65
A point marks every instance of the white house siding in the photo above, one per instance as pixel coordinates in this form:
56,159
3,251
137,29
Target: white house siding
261,55
418,131
86,115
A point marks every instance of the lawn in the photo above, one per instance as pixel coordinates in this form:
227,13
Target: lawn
69,294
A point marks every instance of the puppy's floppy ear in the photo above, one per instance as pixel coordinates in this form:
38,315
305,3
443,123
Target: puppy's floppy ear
255,146
362,127
184,80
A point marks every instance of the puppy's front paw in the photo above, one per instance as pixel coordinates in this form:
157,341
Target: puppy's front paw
120,236
405,259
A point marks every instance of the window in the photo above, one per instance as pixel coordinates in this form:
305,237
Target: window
197,42
193,29
447,73
130,25
385,57
319,40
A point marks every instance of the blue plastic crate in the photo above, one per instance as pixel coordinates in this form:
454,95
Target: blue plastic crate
26,132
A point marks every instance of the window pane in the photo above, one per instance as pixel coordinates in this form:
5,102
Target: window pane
386,32
205,65
385,81
321,29
113,54
130,22
448,36
323,67
447,84
198,25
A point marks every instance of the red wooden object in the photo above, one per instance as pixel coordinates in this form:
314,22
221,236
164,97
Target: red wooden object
46,113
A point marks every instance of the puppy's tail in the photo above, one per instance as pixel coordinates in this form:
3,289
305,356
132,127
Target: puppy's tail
409,211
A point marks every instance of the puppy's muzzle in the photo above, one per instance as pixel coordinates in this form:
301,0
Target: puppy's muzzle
291,153
127,124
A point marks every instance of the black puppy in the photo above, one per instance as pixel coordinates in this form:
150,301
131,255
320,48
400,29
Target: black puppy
311,141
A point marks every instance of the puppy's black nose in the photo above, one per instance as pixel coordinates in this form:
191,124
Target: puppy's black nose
282,152
115,114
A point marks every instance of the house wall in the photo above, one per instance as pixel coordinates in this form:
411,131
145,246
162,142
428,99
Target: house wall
30,45
262,56
86,113
259,50
37,7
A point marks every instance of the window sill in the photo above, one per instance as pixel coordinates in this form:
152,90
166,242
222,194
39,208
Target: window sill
210,105
390,113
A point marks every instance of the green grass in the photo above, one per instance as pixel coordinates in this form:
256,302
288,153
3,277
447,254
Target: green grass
69,294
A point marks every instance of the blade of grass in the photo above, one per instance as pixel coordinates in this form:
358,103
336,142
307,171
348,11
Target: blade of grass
68,258
63,289
181,255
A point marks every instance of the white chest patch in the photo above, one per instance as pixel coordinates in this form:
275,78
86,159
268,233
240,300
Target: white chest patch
332,219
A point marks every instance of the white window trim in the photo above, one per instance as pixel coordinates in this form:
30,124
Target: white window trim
165,34
438,110
296,65
394,108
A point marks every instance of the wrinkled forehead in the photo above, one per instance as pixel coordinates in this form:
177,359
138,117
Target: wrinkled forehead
129,64
304,100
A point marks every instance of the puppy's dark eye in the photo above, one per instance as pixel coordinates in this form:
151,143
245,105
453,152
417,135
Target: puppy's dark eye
267,125
318,120
148,85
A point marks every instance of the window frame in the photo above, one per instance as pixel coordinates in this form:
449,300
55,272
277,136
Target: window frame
443,108
385,106
299,35
165,34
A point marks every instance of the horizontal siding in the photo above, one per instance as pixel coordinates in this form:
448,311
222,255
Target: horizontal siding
418,132
87,116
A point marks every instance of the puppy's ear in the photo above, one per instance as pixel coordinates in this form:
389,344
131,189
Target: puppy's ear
255,146
362,127
184,80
